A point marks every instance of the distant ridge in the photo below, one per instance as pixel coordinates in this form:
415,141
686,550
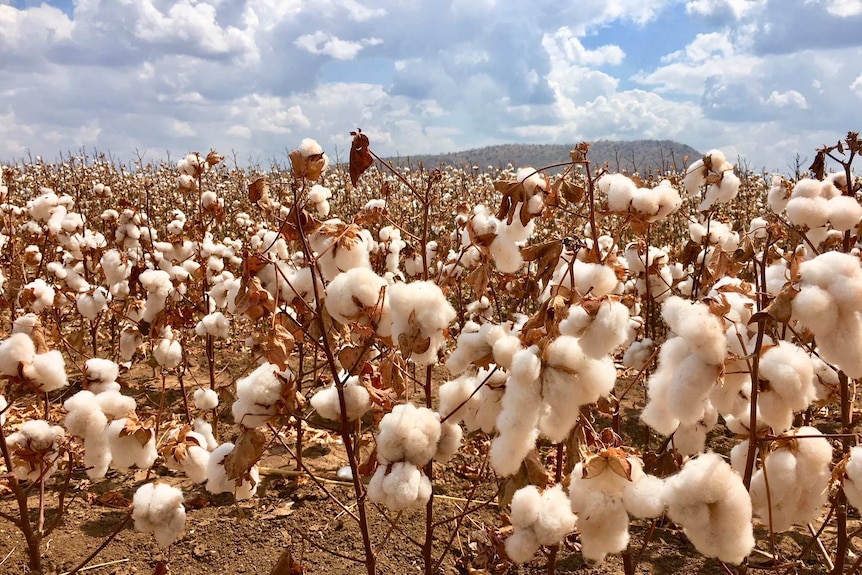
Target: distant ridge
621,156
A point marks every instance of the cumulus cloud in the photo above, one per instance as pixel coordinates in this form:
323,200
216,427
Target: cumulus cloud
329,45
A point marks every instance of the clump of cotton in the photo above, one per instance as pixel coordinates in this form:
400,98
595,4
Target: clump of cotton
130,449
319,197
539,519
408,433
186,450
583,277
814,203
258,395
474,399
214,324
85,419
37,296
714,173
16,352
602,498
158,509
829,303
853,477
600,330
797,473
101,374
788,375
341,247
357,400
420,314
159,286
638,354
778,194
359,295
619,189
518,421
114,404
474,344
168,351
243,487
205,399
398,486
656,204
569,379
707,498
35,449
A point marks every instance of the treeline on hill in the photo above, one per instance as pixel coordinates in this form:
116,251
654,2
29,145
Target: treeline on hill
643,156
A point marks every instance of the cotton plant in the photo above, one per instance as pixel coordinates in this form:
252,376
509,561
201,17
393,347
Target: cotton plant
259,395
35,449
357,400
43,372
715,175
648,204
157,508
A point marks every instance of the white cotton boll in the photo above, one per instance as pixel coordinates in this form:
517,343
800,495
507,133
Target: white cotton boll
690,438
318,194
816,308
602,518
789,373
710,502
16,350
214,324
656,413
607,331
35,438
130,341
643,499
168,352
455,394
47,371
114,404
506,254
702,330
408,433
357,401
738,456
205,399
620,191
689,388
778,194
807,188
158,509
98,370
257,396
310,147
521,546
84,417
518,420
596,279
526,504
504,350
97,456
555,519
808,212
218,482
358,294
570,379
195,463
25,324
844,213
695,178
126,450
576,322
472,345
426,304
450,440
638,354
205,429
531,179
399,486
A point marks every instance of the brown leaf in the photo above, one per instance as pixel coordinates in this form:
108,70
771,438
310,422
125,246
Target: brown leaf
391,374
818,166
246,452
286,565
351,357
360,156
412,341
619,464
214,158
113,499
594,465
478,279
579,153
572,192
258,189
279,345
162,568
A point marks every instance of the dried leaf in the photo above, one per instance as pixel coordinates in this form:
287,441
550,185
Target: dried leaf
214,158
246,452
571,192
818,166
258,190
594,466
620,465
360,156
286,565
478,279
351,357
279,346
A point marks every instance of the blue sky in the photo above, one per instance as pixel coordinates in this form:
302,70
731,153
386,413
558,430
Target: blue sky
760,79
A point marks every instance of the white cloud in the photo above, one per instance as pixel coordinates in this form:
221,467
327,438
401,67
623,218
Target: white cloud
182,129
738,9
329,45
856,86
840,8
564,44
788,98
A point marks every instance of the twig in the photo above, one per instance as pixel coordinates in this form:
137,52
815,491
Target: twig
99,566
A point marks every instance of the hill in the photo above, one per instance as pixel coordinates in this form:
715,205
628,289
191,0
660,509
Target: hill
629,156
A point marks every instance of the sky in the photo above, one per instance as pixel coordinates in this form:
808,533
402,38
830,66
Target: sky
762,80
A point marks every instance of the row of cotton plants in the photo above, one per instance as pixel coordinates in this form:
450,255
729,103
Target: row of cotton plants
540,300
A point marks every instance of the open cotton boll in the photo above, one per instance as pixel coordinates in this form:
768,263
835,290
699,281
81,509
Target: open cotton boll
690,437
114,404
257,396
521,545
25,324
357,295
690,387
205,429
702,330
157,508
214,324
643,499
472,345
16,352
399,486
408,433
602,518
205,398
450,440
47,371
707,498
638,354
98,370
789,373
504,350
844,213
570,379
518,420
127,450
357,401
35,449
505,253
619,189
526,504
217,479
808,212
422,305
84,417
607,330
168,352
555,519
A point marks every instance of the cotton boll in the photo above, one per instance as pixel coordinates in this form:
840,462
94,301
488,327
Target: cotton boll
521,546
450,441
602,518
97,456
357,401
519,418
258,395
853,481
205,429
690,438
158,509
84,417
844,213
816,308
789,373
399,486
114,404
620,191
127,450
504,350
168,352
555,518
638,354
217,479
643,498
47,371
409,433
710,502
35,449
526,504
357,295
98,370
472,345
421,305
214,324
16,351
702,330
778,194
205,399
607,331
